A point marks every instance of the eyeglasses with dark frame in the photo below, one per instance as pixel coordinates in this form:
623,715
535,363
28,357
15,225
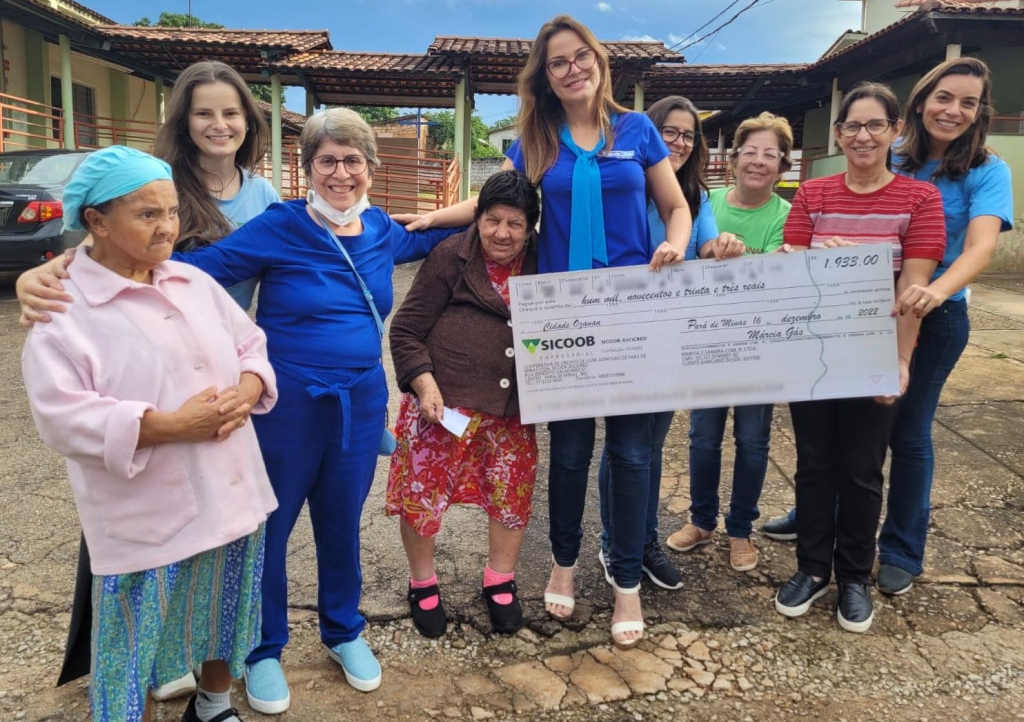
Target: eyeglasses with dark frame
670,134
584,60
328,164
875,126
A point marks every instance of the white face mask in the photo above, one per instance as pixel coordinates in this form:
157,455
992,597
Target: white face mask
338,218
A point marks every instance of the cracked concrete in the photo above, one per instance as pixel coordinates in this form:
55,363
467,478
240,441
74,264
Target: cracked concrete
951,649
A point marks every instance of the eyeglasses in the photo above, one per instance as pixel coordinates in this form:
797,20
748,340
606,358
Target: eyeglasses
670,135
584,60
875,126
327,164
771,156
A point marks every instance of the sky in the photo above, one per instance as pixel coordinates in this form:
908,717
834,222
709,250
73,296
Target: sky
773,31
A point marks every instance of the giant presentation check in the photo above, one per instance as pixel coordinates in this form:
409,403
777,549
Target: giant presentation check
757,329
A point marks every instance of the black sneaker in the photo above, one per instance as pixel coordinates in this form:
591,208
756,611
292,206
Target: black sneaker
855,610
661,571
795,596
781,528
893,580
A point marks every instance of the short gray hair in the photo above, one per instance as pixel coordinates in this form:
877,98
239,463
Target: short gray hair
344,127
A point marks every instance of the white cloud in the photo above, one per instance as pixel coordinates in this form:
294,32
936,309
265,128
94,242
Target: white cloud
639,38
604,7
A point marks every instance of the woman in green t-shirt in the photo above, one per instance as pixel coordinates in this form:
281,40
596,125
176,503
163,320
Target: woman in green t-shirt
756,214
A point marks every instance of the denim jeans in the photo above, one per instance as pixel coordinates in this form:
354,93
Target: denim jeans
662,422
943,337
752,427
628,443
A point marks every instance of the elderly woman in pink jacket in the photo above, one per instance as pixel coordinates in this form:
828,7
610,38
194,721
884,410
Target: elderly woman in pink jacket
145,385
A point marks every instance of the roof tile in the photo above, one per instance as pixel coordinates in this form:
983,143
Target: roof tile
617,49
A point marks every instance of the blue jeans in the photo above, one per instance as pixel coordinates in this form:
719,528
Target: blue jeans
662,422
943,337
628,442
752,427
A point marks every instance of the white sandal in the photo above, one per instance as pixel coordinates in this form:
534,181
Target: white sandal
629,626
560,599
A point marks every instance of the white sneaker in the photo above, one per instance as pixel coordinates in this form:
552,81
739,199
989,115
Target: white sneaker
177,688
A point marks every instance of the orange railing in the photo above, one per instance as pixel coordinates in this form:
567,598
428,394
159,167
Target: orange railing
101,132
26,124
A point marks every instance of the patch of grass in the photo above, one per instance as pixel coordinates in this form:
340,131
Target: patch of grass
999,355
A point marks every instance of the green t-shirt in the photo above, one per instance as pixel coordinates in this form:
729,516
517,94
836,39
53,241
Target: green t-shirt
760,229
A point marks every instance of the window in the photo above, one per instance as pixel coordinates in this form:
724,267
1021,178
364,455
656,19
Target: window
506,143
84,99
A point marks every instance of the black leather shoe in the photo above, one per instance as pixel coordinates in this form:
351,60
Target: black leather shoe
657,566
781,528
893,580
505,618
431,623
855,608
191,716
795,596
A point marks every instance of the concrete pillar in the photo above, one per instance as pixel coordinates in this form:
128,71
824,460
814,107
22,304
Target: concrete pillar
833,116
67,102
953,51
721,141
37,86
467,140
119,106
158,88
275,130
459,142
638,96
310,104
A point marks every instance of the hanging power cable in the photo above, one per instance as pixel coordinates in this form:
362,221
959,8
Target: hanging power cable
714,32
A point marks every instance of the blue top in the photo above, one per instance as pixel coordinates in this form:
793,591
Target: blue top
704,230
311,307
255,195
637,146
984,191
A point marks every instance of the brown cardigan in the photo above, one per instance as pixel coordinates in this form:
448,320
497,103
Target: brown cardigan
454,324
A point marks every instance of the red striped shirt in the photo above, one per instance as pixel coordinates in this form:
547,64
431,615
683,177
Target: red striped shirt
905,213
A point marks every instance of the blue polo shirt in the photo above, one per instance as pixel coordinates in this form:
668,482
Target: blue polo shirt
705,229
637,146
985,191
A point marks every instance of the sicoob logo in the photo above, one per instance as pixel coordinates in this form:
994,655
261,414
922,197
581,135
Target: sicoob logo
531,344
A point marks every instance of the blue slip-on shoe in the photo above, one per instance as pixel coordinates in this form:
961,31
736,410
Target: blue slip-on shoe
361,668
266,689
781,528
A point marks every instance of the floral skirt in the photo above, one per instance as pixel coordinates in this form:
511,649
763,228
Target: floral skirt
155,626
494,466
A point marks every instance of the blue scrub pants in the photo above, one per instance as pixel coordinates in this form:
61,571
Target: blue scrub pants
303,443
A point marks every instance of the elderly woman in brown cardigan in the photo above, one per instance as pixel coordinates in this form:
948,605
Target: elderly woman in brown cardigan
451,342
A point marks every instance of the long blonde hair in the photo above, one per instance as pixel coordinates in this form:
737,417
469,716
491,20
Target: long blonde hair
540,111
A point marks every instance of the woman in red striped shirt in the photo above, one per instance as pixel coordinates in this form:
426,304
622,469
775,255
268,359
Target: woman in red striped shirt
841,443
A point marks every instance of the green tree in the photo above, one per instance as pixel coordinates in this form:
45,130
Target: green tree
260,91
504,123
375,114
442,132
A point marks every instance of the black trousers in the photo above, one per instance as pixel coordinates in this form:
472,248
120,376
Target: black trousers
840,449
78,653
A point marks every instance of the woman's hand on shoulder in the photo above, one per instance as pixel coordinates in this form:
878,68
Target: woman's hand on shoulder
40,290
413,221
666,255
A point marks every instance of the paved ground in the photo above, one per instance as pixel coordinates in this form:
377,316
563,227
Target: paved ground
952,649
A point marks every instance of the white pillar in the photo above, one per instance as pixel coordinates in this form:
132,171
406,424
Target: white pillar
158,86
953,51
67,102
275,130
467,140
833,116
459,142
638,96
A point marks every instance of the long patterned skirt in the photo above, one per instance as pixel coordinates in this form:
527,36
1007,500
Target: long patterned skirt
155,626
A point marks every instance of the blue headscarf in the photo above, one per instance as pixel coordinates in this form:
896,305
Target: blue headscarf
108,174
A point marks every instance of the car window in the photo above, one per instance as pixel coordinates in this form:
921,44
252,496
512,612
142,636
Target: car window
38,169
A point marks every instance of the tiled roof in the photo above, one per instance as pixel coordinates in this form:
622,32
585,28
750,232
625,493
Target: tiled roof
44,7
288,118
968,3
620,50
369,62
291,41
710,71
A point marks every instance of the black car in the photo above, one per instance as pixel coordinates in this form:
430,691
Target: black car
31,213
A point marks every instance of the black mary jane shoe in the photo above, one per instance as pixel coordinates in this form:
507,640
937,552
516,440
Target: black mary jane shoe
431,623
505,618
191,715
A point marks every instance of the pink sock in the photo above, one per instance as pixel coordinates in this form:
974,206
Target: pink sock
492,578
430,602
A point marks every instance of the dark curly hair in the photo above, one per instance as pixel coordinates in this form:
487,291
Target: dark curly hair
513,189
